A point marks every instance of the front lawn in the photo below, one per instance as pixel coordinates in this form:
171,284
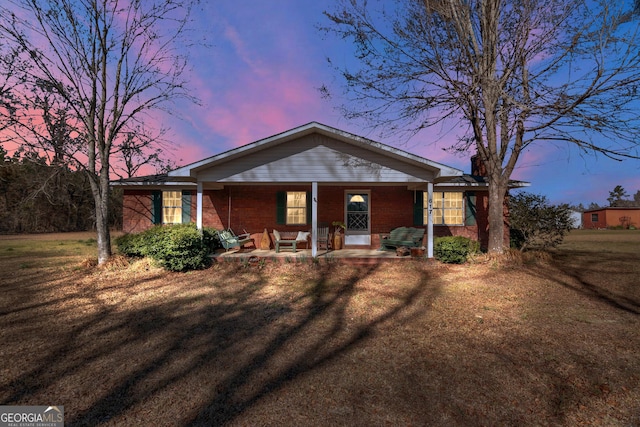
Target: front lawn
540,341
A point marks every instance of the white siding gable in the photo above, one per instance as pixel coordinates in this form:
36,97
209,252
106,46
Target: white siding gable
315,158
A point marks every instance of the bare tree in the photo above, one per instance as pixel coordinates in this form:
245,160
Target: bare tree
136,152
512,73
105,65
9,102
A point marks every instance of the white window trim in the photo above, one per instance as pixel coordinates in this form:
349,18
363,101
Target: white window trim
177,207
287,207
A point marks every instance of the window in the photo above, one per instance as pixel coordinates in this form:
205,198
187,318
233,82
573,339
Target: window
594,217
296,210
172,207
448,208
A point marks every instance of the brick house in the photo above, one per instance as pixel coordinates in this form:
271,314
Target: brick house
624,217
311,175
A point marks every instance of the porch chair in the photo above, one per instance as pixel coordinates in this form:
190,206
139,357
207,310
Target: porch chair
323,236
228,239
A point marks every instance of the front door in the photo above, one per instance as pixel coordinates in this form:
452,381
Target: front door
357,214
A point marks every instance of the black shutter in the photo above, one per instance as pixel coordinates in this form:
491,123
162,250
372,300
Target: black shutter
186,207
281,207
470,208
418,208
156,207
308,205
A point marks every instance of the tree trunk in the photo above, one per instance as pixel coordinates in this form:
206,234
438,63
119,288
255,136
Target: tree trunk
497,192
104,236
100,191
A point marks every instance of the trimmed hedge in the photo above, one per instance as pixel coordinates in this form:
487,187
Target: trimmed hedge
176,247
454,249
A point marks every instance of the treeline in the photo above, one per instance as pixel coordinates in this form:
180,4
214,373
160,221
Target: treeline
36,197
618,198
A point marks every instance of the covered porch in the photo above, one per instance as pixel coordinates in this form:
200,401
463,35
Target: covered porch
314,175
365,211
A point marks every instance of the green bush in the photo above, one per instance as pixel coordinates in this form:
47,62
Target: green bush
134,245
517,238
210,239
175,247
535,223
454,249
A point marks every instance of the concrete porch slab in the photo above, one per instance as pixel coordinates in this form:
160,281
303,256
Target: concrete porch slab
355,256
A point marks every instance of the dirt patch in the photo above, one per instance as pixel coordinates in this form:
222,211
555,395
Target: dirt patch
544,341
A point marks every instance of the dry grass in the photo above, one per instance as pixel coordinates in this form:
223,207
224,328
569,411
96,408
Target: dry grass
542,339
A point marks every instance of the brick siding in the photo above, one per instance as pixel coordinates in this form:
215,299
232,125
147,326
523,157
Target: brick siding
136,211
253,208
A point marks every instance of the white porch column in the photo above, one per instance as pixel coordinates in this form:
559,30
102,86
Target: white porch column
199,206
314,219
430,224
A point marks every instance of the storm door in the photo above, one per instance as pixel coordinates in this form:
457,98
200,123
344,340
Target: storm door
357,218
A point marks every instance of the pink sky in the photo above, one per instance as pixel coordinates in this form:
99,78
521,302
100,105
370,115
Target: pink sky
261,75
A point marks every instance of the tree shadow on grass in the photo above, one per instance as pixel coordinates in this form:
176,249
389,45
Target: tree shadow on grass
214,345
324,301
611,278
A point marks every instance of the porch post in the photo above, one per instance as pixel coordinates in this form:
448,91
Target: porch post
199,206
314,219
430,223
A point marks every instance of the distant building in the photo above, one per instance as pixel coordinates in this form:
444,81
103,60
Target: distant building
611,217
576,218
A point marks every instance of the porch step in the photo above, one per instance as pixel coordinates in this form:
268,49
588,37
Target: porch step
343,256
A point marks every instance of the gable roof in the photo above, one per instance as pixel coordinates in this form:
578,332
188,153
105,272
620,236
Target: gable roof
314,152
439,170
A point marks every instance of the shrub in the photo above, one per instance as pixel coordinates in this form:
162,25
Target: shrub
535,223
210,239
133,245
179,248
454,249
175,247
516,238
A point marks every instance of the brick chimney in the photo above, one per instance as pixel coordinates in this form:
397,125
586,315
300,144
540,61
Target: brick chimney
477,166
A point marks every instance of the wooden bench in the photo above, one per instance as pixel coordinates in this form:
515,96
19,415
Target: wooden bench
289,239
402,236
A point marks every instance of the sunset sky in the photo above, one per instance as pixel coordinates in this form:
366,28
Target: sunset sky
260,76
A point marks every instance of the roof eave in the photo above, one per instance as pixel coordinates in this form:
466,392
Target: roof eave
154,184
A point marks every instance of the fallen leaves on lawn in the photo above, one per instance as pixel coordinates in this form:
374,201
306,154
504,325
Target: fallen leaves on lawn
518,340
